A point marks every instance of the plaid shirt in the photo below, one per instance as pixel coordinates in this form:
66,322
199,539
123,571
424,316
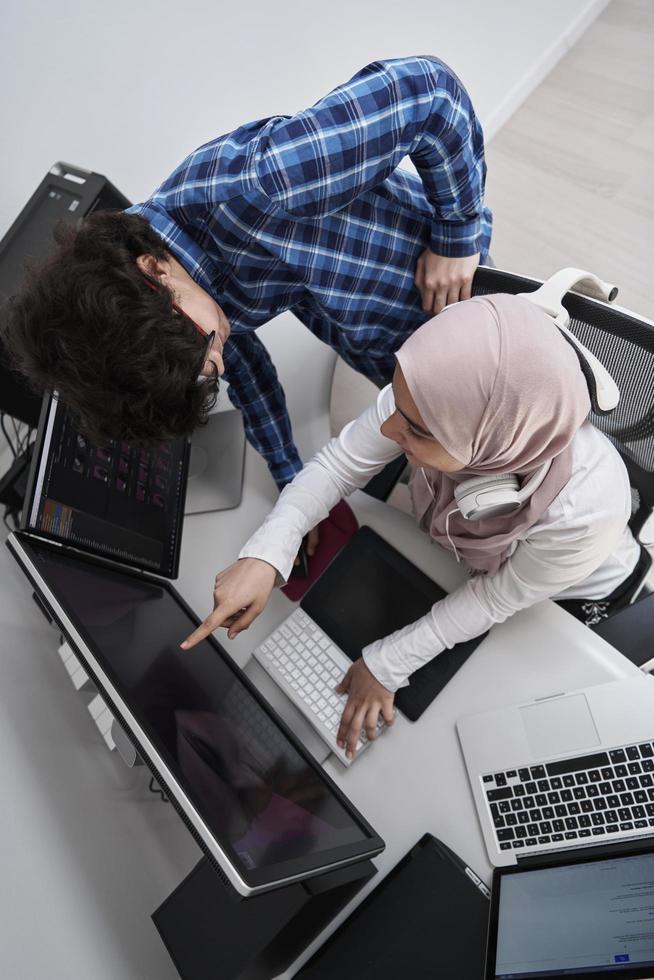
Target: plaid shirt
311,213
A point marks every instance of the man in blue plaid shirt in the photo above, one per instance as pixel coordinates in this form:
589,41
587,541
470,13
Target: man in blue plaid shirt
308,213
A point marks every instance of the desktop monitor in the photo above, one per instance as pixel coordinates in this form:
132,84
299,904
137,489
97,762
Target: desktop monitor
259,805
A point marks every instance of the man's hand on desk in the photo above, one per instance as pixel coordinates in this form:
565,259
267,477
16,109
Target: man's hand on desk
367,698
240,594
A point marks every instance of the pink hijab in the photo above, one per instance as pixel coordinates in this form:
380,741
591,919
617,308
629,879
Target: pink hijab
502,391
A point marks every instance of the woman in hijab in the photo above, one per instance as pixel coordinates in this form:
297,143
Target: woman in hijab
488,387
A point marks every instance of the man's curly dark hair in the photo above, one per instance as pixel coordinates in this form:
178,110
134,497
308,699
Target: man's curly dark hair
88,323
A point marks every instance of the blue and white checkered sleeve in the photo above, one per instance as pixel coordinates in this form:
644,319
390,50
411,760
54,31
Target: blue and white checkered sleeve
255,390
319,160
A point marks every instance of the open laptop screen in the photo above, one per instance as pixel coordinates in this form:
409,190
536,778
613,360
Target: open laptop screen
260,805
117,501
594,917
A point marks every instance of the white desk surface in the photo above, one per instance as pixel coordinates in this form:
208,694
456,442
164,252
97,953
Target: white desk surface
91,853
399,784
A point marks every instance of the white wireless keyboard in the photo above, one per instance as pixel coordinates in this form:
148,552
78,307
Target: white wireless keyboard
305,663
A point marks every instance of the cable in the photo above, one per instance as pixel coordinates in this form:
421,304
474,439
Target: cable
157,790
6,434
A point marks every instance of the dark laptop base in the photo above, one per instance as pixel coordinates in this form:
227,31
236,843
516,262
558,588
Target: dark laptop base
369,591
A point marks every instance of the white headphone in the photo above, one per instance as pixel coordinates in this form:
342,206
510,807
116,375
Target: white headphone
496,496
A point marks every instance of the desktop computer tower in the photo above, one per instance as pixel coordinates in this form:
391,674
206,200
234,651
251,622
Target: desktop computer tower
66,194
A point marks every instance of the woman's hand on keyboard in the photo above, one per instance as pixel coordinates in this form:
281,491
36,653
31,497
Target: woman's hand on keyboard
240,593
367,699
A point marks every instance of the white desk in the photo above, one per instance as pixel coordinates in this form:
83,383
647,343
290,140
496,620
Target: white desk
398,784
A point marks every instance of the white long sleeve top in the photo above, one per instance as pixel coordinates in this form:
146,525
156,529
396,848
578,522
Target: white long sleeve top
580,548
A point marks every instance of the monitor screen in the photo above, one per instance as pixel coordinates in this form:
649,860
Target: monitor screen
117,501
268,807
592,917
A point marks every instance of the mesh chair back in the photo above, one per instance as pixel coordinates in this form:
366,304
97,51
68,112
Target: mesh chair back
624,344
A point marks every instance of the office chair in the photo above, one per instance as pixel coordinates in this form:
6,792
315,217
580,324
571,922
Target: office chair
624,344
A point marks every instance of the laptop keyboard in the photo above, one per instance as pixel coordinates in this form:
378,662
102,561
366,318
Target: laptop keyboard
308,666
573,801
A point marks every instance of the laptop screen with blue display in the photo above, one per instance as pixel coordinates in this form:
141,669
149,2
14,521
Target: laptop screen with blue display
575,918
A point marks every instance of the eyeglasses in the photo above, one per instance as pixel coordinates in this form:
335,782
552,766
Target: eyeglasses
212,380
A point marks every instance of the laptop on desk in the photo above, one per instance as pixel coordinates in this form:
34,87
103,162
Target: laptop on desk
564,791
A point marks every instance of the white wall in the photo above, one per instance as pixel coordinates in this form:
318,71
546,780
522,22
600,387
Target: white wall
128,87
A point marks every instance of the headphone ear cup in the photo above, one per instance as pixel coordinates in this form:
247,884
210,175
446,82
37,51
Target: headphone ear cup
488,496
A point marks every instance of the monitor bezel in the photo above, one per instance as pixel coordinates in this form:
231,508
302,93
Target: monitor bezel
247,882
171,571
606,851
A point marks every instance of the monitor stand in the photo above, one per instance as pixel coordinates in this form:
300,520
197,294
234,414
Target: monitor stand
209,931
215,474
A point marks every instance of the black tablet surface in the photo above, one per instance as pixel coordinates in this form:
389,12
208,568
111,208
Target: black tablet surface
371,590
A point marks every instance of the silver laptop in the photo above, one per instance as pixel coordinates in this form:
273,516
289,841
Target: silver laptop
567,771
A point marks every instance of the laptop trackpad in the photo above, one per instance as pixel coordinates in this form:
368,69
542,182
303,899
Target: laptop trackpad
563,725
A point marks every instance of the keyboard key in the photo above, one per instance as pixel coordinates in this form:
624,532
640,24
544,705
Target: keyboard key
523,817
621,771
523,775
510,820
530,842
506,846
516,805
504,793
584,820
557,837
505,834
556,782
646,750
617,755
626,826
633,753
648,765
511,774
584,833
500,779
570,835
582,778
531,788
520,831
598,830
532,829
612,828
594,776
518,843
558,825
541,799
503,806
528,802
634,768
537,772
568,780
518,790
640,823
543,785
543,840
579,793
580,762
